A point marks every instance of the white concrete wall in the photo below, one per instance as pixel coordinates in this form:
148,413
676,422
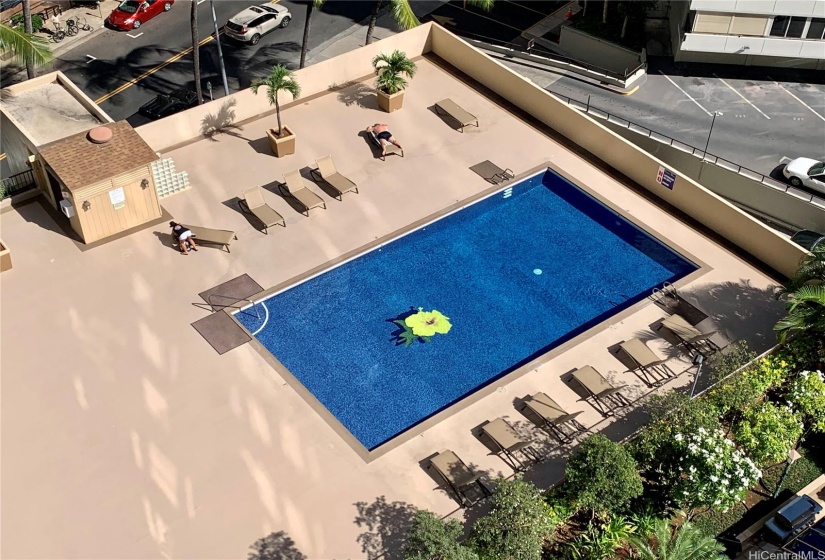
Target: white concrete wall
815,8
754,46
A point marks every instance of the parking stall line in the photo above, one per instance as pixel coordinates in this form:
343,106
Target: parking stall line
795,97
742,96
708,113
485,17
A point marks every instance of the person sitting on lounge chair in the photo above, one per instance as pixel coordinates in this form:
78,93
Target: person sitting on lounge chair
183,235
382,132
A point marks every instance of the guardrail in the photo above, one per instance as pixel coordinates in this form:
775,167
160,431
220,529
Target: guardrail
16,183
526,49
698,152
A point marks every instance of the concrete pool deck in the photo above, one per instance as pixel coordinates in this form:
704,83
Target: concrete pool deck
125,435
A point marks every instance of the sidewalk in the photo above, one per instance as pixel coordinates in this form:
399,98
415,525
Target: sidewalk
11,70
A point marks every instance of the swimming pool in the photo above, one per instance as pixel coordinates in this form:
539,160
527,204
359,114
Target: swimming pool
517,273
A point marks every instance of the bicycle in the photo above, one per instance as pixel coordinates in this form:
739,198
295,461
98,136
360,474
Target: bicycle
58,34
73,25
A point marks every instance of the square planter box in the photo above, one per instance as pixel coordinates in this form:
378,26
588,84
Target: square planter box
283,146
390,103
5,257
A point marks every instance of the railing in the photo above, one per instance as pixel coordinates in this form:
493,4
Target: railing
16,184
549,54
699,152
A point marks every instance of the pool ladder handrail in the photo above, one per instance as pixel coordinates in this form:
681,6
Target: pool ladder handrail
234,305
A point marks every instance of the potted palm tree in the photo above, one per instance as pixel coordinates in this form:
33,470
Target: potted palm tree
390,84
282,140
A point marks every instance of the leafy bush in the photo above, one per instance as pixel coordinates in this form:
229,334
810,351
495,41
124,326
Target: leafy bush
37,22
770,372
429,537
600,541
733,395
602,475
806,395
711,471
516,526
768,432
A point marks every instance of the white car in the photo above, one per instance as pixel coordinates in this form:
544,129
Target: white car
256,21
805,171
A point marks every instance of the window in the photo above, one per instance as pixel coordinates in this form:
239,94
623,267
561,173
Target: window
786,26
817,29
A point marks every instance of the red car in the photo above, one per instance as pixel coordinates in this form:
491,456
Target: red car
131,14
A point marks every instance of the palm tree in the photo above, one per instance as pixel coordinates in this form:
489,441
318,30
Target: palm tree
279,79
196,56
390,69
805,293
687,542
404,16
29,29
24,46
313,5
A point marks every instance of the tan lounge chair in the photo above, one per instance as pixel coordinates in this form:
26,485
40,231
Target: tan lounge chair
222,237
509,443
295,186
600,390
253,203
690,336
326,172
669,299
458,476
456,112
646,361
553,418
388,149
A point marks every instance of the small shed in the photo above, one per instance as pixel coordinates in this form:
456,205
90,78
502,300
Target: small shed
102,180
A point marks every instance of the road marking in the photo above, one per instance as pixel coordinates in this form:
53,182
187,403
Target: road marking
444,21
525,7
485,17
631,92
686,93
91,58
134,36
201,2
2,156
151,71
742,96
795,97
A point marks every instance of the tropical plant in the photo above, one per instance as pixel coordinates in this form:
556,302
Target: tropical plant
768,432
602,475
710,473
390,68
404,16
643,521
311,7
686,542
591,544
429,537
806,396
279,79
516,526
24,47
196,55
805,293
19,20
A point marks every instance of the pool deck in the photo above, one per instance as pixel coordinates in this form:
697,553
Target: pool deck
124,435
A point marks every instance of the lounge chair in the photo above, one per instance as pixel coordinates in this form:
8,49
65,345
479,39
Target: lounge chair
327,173
646,361
295,186
389,149
669,299
694,339
552,417
454,110
600,390
253,203
458,476
509,443
492,173
223,237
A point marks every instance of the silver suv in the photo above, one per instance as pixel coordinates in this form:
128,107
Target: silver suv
254,22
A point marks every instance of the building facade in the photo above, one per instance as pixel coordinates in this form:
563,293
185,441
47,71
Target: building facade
785,33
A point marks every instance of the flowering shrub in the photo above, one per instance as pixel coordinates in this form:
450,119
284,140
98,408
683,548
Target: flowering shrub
711,471
769,372
768,432
806,396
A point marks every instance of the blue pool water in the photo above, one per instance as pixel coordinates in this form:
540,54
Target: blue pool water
517,274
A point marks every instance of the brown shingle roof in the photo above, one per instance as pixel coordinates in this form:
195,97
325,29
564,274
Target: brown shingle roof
79,162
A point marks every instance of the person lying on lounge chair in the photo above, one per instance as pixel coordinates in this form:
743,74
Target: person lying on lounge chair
184,237
382,132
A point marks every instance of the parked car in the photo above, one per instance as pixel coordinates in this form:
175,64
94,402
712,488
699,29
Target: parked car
131,14
805,171
254,22
792,518
164,105
809,239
